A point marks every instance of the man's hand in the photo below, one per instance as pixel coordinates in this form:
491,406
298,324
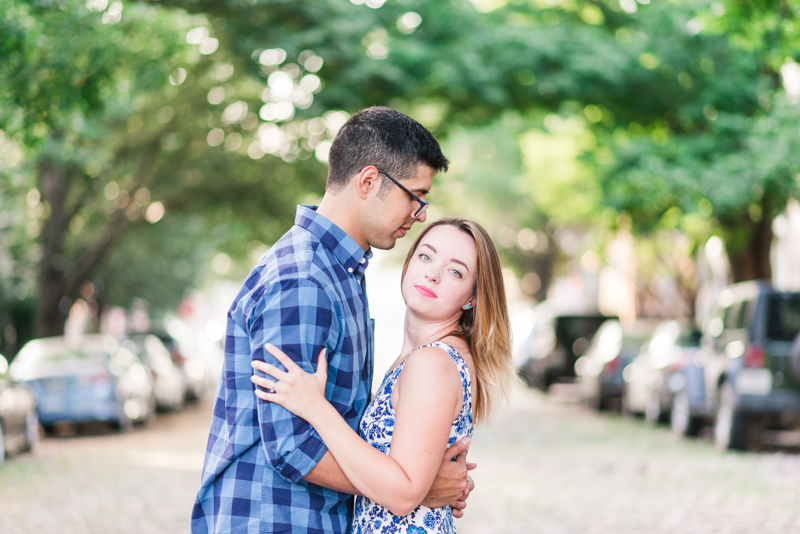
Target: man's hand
457,507
452,484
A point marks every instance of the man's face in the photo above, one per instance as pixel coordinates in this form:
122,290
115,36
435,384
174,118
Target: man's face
390,214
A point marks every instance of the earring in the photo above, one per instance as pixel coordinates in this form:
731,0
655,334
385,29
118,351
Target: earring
466,306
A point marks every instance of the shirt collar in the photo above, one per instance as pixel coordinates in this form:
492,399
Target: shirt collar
344,248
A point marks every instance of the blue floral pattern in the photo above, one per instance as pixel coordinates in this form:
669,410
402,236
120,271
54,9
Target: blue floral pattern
376,428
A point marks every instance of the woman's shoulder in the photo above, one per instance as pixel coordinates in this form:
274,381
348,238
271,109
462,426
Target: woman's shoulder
430,376
430,363
432,355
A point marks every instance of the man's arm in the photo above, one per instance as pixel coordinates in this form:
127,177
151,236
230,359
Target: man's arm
447,488
297,316
328,474
452,484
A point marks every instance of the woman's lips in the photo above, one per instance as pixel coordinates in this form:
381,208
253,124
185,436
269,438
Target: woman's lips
425,292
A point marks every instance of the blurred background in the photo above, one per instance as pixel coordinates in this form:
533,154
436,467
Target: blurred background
627,157
631,159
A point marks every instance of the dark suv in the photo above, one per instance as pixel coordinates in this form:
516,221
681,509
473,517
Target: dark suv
549,354
747,344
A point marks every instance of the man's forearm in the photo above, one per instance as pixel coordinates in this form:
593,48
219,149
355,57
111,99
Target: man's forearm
328,474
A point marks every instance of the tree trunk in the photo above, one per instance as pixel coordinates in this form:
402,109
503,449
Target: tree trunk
750,259
61,275
53,186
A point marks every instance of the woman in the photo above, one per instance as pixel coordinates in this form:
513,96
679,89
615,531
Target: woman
455,363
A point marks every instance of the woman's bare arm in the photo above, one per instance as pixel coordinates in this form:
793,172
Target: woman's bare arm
429,396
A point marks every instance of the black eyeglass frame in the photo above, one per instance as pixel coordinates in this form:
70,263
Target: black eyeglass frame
423,204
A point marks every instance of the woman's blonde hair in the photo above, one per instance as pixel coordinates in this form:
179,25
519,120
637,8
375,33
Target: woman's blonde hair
485,326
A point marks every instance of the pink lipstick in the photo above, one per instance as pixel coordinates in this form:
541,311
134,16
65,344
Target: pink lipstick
425,292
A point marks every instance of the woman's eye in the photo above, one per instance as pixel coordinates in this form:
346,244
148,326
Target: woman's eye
424,257
455,273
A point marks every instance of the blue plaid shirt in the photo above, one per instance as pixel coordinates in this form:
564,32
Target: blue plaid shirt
307,293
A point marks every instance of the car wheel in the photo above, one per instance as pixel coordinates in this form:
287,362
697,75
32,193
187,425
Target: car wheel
2,446
730,428
626,407
124,423
31,431
681,418
652,412
598,403
150,418
547,381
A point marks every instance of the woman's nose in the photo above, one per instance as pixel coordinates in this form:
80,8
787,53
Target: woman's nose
432,275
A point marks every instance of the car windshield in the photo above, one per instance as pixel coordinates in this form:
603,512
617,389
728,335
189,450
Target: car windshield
689,339
632,344
569,329
56,355
783,316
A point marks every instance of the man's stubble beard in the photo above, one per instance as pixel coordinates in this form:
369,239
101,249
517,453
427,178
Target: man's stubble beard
378,236
380,242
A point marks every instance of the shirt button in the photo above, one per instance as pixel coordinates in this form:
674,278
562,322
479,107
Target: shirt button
349,269
363,260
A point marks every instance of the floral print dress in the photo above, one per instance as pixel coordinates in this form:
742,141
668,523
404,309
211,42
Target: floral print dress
376,428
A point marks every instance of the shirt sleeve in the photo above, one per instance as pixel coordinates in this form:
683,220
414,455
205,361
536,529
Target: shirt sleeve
298,317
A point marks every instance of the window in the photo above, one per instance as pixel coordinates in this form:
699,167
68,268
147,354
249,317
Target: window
783,316
746,310
731,316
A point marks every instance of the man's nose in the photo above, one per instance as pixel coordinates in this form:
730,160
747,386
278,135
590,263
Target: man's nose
421,217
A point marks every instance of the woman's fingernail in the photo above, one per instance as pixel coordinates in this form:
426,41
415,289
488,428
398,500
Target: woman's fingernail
269,346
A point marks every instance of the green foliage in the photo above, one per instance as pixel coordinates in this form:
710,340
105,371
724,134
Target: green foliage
671,115
107,116
156,263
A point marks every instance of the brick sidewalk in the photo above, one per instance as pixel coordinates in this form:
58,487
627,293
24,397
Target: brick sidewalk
547,467
551,467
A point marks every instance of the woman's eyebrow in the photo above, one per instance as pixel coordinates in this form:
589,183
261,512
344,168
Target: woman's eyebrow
453,259
460,262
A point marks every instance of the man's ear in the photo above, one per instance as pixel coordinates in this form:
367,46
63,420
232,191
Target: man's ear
367,182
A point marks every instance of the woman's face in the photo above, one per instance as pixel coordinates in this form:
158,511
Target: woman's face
441,274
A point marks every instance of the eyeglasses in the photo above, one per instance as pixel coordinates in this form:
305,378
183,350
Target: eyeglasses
423,204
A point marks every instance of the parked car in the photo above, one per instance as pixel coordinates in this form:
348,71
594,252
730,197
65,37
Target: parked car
550,352
666,367
19,425
750,380
169,384
600,371
90,379
192,367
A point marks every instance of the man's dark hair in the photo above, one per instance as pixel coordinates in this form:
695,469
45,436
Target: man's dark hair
380,136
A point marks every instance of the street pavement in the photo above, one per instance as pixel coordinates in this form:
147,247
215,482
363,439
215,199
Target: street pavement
547,465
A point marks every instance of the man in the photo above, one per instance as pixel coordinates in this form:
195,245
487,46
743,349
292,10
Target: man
266,470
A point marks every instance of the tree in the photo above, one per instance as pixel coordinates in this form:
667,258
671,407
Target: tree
109,107
147,110
731,169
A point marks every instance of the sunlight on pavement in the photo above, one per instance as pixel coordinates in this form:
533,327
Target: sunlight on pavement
167,460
